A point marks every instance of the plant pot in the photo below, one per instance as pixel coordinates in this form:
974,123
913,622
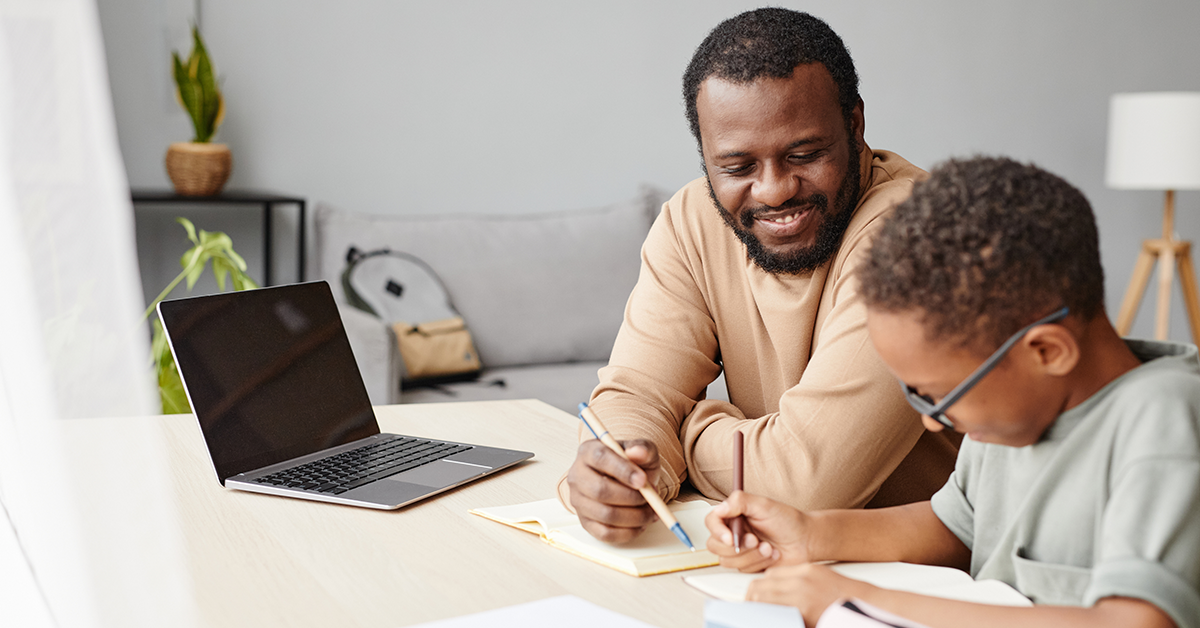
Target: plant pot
198,169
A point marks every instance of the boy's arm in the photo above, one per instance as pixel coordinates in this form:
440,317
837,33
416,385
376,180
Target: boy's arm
813,588
780,534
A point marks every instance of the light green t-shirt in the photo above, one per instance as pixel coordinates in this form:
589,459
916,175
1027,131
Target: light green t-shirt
1106,504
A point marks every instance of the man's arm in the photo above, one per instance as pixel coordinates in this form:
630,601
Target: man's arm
663,359
840,432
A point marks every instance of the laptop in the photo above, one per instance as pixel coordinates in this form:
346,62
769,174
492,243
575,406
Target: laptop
283,409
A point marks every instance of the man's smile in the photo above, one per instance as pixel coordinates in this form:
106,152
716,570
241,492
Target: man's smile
784,226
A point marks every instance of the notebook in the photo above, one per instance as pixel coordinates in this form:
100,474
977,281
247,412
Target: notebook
655,551
924,579
283,410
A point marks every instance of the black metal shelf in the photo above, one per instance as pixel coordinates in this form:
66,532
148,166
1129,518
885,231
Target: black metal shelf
241,197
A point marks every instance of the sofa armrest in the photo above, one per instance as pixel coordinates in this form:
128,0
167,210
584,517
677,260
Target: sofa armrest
376,353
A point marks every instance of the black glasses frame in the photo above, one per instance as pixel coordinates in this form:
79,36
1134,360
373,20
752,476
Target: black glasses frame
937,411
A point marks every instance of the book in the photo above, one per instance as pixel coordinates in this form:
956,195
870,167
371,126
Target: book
655,551
943,582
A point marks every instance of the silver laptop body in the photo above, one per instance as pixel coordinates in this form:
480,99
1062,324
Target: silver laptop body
281,404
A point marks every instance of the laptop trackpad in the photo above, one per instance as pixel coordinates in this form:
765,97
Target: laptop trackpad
438,474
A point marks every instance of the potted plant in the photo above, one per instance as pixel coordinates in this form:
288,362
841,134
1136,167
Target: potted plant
199,167
208,246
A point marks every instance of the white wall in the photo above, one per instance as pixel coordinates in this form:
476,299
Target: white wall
531,105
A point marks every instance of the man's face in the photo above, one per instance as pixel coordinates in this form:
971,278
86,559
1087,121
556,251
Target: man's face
782,166
1012,405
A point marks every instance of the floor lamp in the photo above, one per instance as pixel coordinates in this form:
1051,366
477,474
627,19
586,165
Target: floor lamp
1154,144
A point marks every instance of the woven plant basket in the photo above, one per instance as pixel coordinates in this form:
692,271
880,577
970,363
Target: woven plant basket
198,169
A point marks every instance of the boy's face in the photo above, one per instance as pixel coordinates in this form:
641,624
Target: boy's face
1012,405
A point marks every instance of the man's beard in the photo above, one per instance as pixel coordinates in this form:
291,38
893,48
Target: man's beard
829,232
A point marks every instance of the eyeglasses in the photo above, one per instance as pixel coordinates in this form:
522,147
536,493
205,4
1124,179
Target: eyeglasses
937,411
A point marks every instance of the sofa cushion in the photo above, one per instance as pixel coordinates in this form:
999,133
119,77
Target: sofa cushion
560,385
533,288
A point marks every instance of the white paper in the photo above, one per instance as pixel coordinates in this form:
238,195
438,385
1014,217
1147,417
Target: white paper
554,612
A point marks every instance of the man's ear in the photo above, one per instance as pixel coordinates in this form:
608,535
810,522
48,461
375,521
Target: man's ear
1054,348
858,124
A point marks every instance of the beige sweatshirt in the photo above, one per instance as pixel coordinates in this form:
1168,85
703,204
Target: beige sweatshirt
825,423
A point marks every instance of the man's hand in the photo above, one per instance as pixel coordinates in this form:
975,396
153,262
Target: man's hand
777,534
604,489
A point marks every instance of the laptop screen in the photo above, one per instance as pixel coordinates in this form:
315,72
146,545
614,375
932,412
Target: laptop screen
269,372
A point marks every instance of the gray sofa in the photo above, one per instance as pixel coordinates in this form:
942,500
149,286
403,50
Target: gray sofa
543,294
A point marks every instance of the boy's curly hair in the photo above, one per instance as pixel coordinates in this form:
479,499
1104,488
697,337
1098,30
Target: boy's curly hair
984,247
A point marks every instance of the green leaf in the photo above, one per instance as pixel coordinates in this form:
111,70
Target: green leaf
158,344
217,240
171,392
237,259
198,48
191,229
170,386
206,80
181,79
242,281
220,271
195,267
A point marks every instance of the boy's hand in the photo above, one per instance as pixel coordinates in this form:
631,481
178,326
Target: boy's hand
811,588
777,533
604,489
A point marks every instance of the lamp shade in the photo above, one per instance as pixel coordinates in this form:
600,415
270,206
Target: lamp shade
1154,141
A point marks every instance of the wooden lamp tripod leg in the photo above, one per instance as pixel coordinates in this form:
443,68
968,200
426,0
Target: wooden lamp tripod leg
1166,274
1137,287
1191,296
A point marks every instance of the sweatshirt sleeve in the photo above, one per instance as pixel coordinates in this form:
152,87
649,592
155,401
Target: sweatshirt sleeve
663,359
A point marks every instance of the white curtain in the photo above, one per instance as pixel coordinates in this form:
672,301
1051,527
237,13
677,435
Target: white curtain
71,346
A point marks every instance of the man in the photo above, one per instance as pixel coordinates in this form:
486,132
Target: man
752,270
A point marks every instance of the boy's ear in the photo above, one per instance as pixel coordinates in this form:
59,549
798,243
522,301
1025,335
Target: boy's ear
1054,348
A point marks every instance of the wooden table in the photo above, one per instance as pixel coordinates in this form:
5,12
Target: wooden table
259,560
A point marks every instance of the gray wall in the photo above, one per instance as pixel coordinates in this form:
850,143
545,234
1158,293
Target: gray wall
419,107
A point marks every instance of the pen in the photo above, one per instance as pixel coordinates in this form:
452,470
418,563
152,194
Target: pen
737,525
598,430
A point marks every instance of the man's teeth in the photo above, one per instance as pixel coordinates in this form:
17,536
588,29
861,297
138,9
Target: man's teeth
784,219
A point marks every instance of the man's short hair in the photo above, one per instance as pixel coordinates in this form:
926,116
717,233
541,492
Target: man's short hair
769,42
984,247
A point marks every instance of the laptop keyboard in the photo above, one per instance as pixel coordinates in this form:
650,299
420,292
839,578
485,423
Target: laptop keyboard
339,473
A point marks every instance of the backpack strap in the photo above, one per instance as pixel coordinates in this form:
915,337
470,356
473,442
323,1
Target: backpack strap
354,256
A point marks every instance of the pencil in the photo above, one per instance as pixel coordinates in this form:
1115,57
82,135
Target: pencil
656,502
737,525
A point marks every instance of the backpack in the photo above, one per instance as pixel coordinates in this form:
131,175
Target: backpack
435,345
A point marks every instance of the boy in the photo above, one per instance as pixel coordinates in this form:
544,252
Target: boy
1079,480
